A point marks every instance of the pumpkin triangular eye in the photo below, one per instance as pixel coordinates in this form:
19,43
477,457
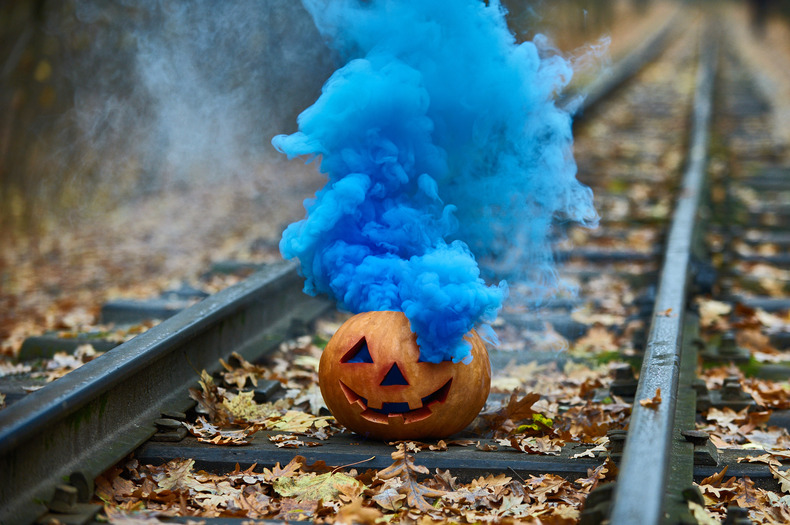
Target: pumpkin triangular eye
359,353
394,377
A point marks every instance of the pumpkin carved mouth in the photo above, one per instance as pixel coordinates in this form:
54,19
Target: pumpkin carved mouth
397,410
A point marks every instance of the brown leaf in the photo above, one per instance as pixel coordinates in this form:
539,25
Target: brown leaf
446,479
783,477
256,505
209,399
548,487
515,410
545,445
702,516
606,470
358,514
768,459
291,469
748,496
654,402
296,509
291,441
313,487
209,433
406,471
715,479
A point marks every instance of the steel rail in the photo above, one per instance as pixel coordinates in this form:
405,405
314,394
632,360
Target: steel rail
78,425
641,488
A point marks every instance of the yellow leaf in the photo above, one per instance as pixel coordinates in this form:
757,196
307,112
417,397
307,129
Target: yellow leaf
311,487
701,515
243,407
783,477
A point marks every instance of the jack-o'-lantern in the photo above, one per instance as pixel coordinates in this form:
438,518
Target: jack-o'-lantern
374,383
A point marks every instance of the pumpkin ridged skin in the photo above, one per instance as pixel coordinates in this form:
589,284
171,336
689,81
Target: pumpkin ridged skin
390,340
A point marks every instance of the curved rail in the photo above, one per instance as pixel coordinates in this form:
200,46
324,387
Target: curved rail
91,418
640,494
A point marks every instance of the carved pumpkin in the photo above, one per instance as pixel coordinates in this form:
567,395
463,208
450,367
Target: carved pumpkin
373,382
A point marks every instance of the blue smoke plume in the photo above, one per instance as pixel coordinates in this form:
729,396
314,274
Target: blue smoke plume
441,141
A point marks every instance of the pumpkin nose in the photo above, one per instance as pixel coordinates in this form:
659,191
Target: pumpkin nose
394,377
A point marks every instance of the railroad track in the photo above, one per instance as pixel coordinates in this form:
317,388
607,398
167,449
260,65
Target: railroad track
56,441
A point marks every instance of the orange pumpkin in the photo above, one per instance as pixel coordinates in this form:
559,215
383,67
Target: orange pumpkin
373,382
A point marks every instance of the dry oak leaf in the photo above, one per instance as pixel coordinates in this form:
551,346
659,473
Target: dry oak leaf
242,408
715,479
208,433
748,496
291,469
783,477
711,311
178,475
357,514
388,497
482,492
536,445
702,516
298,422
547,486
515,410
487,447
295,509
717,492
312,487
591,452
604,471
312,397
256,504
209,399
121,517
654,402
238,375
597,340
768,459
447,480
406,471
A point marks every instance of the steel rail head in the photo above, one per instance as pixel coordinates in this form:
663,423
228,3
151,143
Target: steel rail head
640,490
92,417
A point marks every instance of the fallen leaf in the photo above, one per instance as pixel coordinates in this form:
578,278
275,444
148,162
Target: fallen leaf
590,452
487,447
178,476
654,402
783,477
715,479
702,516
406,472
537,445
312,487
358,514
208,433
768,459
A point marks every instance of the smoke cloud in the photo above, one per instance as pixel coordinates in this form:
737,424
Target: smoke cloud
442,145
156,94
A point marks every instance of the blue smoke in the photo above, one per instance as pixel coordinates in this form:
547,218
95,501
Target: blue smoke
441,141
